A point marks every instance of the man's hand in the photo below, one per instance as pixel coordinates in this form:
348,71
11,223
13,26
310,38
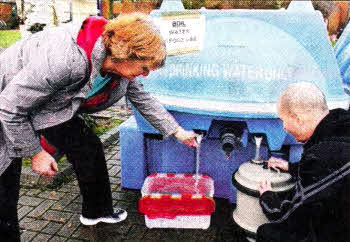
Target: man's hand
187,137
44,164
264,186
277,163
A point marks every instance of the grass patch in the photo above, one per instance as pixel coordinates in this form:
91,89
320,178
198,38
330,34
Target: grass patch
112,110
100,125
103,125
8,37
26,162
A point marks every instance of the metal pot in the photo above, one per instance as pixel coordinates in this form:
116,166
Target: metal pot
248,213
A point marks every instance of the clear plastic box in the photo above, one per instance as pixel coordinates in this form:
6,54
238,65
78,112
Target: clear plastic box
177,201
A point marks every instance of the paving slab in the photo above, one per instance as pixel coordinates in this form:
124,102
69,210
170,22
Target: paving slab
42,237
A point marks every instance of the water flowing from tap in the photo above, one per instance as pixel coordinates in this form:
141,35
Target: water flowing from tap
199,140
258,140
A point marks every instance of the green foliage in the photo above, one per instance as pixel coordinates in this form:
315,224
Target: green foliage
110,13
193,4
63,158
89,121
100,130
8,37
278,4
100,126
106,125
26,162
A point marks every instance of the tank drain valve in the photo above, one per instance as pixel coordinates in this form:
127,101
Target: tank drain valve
230,140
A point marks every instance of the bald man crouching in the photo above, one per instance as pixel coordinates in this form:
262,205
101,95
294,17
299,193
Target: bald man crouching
317,208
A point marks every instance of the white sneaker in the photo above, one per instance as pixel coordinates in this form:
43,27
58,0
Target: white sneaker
118,216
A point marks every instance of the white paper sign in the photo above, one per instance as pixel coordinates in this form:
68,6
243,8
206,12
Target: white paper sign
183,32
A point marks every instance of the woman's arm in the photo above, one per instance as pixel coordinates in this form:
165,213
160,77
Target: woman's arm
151,109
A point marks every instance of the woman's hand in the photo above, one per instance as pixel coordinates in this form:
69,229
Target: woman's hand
186,137
277,163
44,164
264,186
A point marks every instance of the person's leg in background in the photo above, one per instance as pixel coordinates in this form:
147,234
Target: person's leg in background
84,151
9,195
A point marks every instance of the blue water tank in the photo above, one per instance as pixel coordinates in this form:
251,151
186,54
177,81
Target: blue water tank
246,59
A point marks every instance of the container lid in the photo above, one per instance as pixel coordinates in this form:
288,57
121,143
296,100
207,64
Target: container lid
170,206
249,176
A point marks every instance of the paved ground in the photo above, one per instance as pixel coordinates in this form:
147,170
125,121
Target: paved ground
53,214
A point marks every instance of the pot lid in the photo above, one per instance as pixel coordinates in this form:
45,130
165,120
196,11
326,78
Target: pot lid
250,175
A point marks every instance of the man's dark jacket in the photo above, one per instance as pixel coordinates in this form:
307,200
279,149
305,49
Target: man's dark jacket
323,216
